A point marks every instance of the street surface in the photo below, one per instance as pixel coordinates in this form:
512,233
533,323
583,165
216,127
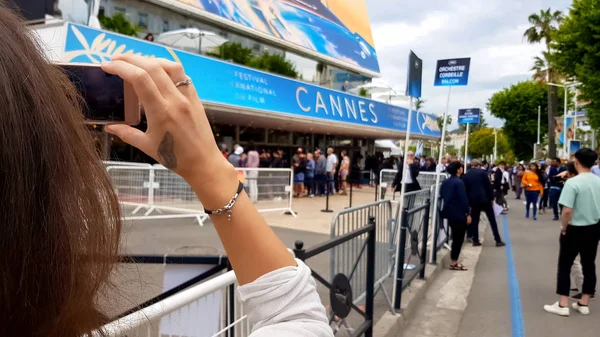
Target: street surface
503,302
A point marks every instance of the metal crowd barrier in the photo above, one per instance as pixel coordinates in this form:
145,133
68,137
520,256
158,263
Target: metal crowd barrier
200,307
270,189
412,248
163,194
384,185
386,178
123,163
340,285
427,179
343,256
387,215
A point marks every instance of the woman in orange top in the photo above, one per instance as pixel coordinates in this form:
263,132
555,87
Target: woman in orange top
532,183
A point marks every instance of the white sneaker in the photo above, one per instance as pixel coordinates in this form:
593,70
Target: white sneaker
557,309
582,310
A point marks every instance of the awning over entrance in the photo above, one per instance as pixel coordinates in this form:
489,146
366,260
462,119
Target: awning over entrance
242,95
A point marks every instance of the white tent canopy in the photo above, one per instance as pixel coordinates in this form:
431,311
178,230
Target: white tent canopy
389,144
191,39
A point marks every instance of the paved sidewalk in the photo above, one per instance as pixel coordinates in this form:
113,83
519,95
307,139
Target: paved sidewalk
310,218
507,295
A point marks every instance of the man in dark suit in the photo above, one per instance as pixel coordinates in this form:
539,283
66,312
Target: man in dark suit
481,196
412,184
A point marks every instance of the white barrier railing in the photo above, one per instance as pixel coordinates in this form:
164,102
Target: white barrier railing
270,189
386,178
199,311
427,179
384,186
123,163
156,189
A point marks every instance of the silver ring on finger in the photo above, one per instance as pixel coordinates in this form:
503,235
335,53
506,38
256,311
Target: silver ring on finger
187,81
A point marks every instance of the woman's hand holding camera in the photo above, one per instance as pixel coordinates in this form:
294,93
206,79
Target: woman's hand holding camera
179,135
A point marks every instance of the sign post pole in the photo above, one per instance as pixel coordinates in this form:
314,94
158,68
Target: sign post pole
450,72
467,147
413,89
404,167
440,155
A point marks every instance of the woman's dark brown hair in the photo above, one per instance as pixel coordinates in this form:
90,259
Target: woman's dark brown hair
59,234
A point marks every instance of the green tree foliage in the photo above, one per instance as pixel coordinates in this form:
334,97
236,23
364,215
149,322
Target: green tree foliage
543,26
577,45
233,52
273,63
451,150
518,106
481,143
363,92
119,24
419,103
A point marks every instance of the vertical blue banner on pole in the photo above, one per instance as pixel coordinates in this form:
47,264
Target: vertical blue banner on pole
415,75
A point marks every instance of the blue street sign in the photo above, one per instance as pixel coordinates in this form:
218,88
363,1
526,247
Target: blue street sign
469,116
453,72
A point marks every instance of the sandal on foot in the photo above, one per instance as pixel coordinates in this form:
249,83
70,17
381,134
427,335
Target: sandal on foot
458,267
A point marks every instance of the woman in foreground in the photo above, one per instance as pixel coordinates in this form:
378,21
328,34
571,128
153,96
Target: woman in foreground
60,232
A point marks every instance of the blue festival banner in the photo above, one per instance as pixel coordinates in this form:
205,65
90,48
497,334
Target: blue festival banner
560,130
415,75
228,84
469,116
452,72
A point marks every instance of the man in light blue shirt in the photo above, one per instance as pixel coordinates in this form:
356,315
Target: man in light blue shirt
580,233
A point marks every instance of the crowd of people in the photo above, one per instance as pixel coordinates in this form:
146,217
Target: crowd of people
571,190
315,173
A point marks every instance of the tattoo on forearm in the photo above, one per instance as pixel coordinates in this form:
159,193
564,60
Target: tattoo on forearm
166,151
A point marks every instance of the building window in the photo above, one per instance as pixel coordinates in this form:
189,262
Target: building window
101,12
256,47
165,26
120,10
182,26
143,20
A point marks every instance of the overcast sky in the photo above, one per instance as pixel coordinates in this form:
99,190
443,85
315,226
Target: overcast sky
488,31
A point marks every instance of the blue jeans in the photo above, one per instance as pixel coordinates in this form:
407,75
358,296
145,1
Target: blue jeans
320,182
331,182
309,184
554,196
532,198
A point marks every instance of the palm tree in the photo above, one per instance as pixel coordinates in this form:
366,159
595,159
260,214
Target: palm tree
419,104
543,24
540,68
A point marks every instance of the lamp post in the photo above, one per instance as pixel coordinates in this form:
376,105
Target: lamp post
566,86
495,145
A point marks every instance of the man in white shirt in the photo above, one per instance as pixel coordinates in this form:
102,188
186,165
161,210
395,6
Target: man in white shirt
441,167
332,162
